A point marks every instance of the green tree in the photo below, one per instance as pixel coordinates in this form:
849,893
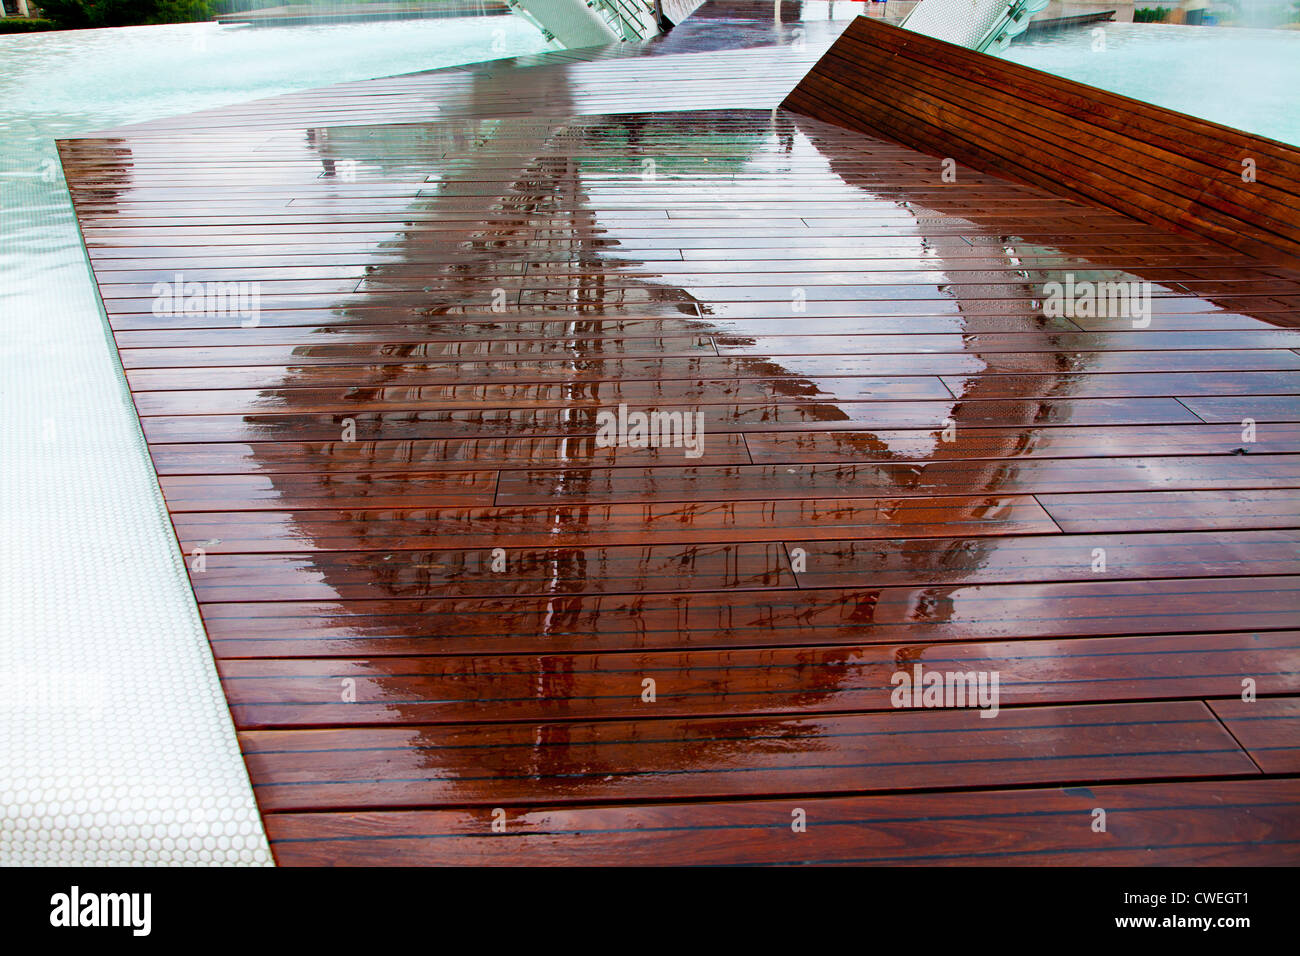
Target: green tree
80,14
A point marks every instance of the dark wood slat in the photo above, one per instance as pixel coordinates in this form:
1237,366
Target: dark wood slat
379,324
1142,160
406,368
257,492
1058,557
538,396
1097,442
578,623
998,342
1028,476
1269,385
497,765
1222,823
376,575
1257,408
428,690
392,457
1175,510
680,346
1269,729
611,524
584,420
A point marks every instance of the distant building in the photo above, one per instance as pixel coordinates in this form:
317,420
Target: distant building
18,8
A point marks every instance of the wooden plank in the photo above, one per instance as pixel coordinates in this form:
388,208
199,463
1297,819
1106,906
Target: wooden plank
1256,408
281,692
392,457
1269,729
256,492
738,619
1075,442
934,477
537,396
1058,557
585,421
376,575
496,765
501,571
244,532
1219,823
1273,386
1175,510
405,369
1160,166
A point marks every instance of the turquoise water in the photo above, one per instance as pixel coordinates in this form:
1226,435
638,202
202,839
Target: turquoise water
63,81
69,83
93,592
1245,78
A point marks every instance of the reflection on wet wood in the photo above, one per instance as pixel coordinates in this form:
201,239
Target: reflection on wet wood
288,693
434,588
706,758
248,532
1156,164
1166,824
576,623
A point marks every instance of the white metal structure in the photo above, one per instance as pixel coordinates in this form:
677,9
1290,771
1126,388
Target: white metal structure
579,23
980,25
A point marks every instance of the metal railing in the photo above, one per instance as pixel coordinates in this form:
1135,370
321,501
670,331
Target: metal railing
630,19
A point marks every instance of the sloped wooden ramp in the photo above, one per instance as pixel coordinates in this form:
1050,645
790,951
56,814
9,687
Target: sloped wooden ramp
436,600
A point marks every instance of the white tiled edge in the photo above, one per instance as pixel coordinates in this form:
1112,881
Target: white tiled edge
118,745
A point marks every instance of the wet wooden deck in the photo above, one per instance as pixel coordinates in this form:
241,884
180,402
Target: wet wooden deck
904,462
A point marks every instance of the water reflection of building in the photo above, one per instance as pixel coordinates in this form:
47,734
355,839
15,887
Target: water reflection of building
539,179
542,211
548,213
